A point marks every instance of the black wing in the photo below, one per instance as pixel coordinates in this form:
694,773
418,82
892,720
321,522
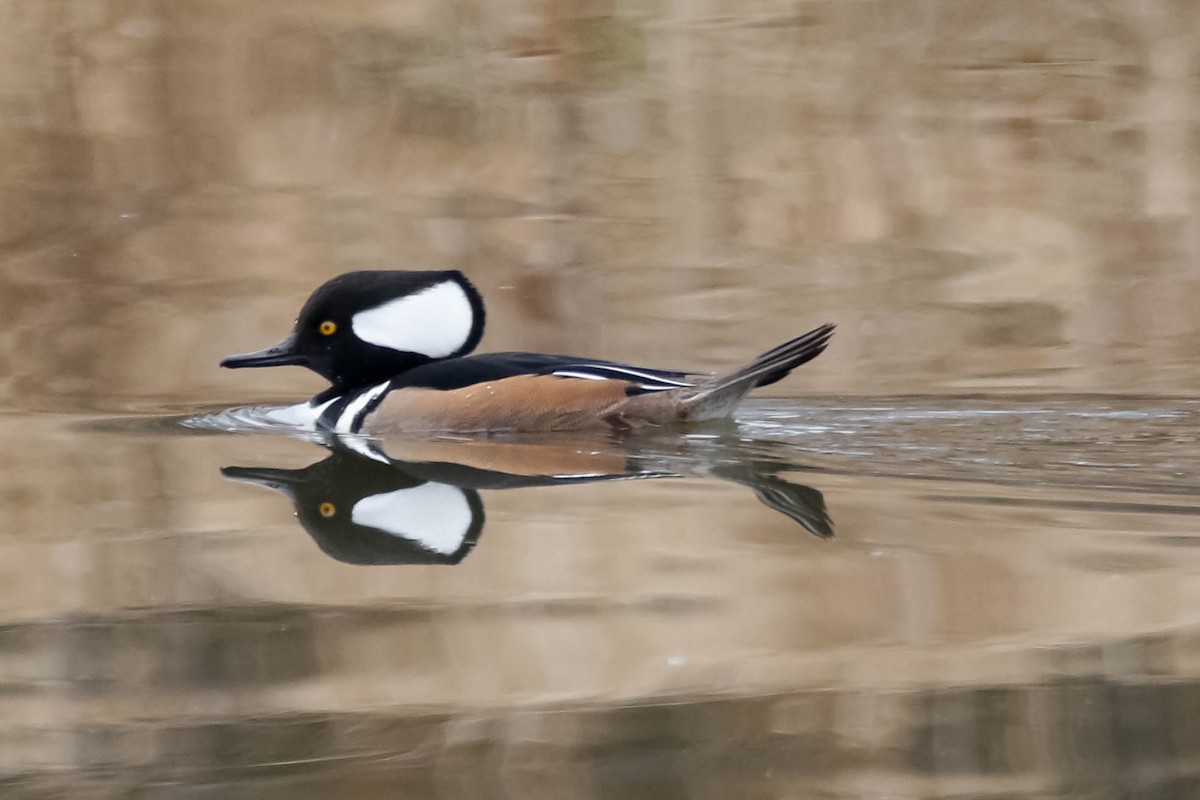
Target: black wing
455,373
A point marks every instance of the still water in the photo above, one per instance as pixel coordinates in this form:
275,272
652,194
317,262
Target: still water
957,555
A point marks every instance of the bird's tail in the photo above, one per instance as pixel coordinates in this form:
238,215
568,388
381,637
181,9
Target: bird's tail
719,396
804,504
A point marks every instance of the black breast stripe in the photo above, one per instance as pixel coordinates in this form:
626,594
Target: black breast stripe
361,416
330,417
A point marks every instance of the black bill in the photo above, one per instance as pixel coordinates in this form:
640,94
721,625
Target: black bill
282,354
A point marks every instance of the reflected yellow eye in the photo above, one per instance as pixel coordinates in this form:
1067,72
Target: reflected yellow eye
328,328
327,510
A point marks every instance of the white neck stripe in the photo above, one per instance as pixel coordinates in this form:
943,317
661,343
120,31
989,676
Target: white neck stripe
301,415
345,422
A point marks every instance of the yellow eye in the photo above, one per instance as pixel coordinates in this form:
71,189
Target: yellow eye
327,510
328,328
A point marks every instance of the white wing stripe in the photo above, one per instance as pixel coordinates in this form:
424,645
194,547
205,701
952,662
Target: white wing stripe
601,372
566,373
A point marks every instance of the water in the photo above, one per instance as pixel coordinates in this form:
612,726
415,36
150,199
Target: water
956,555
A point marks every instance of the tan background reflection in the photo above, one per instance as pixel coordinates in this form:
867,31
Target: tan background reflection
986,195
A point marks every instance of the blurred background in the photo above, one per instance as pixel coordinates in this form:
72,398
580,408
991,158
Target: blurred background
986,195
996,200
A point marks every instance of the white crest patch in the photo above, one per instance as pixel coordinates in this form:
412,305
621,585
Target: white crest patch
435,516
434,322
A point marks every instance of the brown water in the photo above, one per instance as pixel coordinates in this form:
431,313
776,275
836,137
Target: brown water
997,202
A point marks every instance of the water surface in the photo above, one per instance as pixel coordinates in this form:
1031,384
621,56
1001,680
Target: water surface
954,556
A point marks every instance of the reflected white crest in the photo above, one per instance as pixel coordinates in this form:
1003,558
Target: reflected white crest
435,516
435,322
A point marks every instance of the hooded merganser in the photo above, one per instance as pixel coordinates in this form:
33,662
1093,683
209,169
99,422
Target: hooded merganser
394,346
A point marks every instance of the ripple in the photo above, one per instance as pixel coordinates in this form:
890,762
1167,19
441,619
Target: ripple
1059,440
254,419
1065,441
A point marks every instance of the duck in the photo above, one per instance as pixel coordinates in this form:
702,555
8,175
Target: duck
397,347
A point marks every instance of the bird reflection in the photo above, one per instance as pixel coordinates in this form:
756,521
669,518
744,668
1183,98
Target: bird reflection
421,504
